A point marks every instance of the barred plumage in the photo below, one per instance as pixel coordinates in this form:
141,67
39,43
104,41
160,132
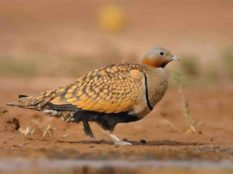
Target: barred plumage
110,90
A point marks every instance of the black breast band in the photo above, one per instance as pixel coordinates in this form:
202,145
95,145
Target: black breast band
147,95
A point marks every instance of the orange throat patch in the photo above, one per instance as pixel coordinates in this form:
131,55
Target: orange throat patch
154,63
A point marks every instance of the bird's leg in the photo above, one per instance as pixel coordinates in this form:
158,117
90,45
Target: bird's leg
87,129
81,116
116,140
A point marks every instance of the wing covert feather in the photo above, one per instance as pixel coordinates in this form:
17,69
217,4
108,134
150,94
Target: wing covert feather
111,89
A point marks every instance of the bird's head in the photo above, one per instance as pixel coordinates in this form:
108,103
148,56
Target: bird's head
158,57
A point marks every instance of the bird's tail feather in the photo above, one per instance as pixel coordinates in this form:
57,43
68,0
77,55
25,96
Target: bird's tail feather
13,104
35,101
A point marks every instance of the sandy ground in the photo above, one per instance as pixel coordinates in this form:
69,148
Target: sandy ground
163,129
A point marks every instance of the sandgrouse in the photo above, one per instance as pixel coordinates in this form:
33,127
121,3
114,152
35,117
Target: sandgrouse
119,93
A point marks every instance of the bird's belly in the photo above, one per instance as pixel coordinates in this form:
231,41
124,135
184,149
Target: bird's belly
140,109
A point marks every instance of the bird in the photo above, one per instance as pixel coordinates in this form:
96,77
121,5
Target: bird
116,93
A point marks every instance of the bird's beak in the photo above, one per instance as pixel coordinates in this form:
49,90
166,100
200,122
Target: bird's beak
175,58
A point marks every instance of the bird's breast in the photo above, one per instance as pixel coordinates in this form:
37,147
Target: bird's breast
154,87
157,85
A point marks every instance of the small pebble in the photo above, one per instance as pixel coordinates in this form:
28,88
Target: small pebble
143,141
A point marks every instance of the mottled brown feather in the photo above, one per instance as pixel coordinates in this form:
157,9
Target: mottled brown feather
112,89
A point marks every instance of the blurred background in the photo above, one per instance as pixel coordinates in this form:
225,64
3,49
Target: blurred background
58,38
45,44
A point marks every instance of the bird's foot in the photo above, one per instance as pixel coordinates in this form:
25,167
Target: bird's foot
116,140
123,143
92,137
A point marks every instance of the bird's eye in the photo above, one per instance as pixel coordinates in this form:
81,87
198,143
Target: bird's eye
161,53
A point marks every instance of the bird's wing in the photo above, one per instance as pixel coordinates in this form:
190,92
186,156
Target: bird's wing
112,89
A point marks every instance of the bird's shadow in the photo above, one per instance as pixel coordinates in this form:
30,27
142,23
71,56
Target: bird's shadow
137,143
141,142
